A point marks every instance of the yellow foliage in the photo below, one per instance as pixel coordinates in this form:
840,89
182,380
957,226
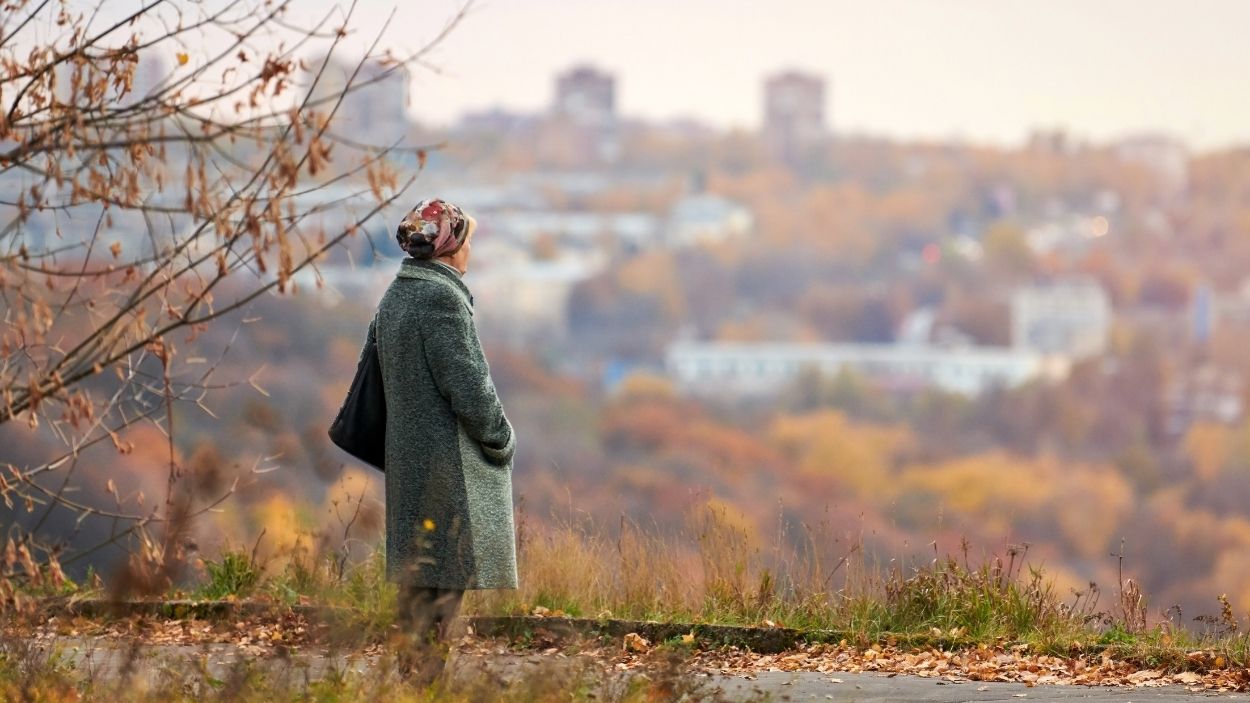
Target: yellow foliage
1000,492
351,484
1090,504
1231,569
643,385
239,525
996,486
1207,446
825,443
763,327
281,520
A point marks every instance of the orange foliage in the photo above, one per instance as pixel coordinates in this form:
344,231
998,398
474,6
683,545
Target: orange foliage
646,386
825,443
1207,446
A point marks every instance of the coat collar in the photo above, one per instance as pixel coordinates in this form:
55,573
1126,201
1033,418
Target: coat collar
438,273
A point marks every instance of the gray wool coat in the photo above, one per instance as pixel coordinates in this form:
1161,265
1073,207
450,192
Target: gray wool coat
449,446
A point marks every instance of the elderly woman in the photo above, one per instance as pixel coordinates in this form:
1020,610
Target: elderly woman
449,446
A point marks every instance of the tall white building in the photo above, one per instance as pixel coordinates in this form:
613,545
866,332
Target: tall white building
1071,318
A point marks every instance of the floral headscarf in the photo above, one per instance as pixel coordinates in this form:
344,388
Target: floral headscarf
432,229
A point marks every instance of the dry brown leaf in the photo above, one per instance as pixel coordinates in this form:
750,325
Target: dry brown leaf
635,642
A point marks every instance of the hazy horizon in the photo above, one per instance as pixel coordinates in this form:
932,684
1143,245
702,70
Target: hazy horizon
976,70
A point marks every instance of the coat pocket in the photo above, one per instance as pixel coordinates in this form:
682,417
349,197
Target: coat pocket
504,455
489,490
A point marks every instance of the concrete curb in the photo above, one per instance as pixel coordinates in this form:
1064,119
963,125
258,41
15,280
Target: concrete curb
212,610
764,640
758,639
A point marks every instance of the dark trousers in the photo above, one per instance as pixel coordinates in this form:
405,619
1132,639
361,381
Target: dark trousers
424,621
425,614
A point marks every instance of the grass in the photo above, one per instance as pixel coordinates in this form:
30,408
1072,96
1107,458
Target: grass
233,574
716,571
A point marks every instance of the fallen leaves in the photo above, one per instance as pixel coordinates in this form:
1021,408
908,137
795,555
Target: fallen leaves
635,642
982,664
255,636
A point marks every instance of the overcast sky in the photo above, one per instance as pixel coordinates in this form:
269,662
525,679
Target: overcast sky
980,70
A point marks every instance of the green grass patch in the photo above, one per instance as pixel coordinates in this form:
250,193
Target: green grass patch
232,574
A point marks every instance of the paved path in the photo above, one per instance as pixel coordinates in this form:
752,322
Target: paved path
804,686
94,658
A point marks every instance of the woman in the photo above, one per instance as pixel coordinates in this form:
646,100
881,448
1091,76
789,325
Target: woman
449,446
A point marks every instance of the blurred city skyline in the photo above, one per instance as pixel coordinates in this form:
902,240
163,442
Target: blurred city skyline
975,70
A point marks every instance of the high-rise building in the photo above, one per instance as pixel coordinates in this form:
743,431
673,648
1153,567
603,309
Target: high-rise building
794,110
150,75
586,95
375,112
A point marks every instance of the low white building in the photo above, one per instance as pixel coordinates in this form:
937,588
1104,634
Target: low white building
1204,394
721,368
635,229
524,298
707,219
1071,318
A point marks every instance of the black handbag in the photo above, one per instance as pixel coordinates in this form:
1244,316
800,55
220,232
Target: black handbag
360,428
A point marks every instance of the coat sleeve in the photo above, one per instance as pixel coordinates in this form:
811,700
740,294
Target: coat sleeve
454,356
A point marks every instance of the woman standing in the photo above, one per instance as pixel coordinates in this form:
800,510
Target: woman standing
449,446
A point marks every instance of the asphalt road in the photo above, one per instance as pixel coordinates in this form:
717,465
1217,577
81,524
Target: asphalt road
810,686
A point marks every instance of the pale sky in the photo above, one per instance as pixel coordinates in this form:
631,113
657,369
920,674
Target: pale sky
979,70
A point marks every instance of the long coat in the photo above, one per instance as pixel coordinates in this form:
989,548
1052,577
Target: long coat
449,446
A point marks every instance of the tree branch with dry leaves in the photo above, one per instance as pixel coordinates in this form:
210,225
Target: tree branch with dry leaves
138,206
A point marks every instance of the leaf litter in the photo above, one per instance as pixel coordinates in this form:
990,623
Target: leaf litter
291,632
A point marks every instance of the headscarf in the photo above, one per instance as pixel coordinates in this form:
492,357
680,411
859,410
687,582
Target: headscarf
432,229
